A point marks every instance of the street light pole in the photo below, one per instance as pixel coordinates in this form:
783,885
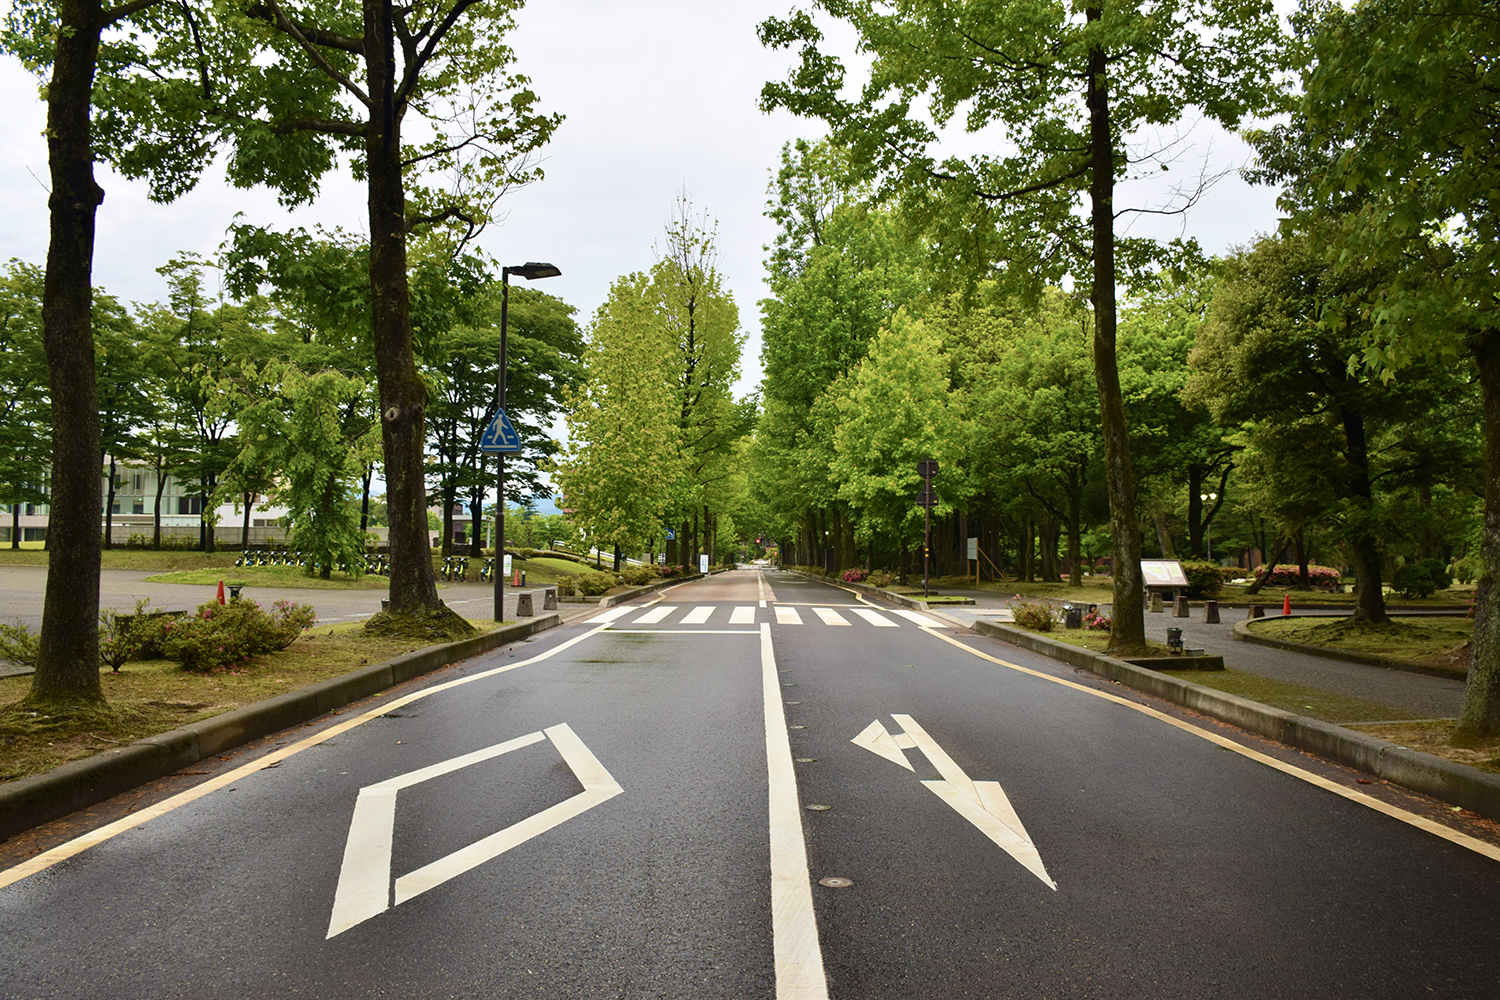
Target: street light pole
530,271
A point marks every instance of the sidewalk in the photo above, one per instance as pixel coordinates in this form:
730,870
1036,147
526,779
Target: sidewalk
1417,695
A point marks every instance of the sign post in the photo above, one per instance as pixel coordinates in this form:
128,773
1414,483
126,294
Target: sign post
927,469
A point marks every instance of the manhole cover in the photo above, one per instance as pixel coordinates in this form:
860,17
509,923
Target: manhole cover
834,882
817,808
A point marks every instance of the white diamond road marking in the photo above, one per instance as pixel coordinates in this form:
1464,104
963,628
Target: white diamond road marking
655,615
364,888
787,616
875,618
698,615
742,616
830,616
922,620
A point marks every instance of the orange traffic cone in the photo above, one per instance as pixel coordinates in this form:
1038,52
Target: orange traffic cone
1286,604
221,591
516,582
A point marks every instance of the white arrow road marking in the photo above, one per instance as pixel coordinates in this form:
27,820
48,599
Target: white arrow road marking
364,888
982,803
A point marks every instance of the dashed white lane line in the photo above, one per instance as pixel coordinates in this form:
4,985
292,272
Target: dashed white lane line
698,615
875,618
794,926
742,616
830,616
920,619
787,616
655,615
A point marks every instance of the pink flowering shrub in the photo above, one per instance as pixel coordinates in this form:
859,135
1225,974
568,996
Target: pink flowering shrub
855,575
1285,575
220,635
1098,621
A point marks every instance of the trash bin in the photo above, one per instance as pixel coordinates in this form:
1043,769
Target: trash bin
1072,616
1174,641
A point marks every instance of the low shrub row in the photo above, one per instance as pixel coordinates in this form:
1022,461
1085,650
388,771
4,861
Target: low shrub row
1286,576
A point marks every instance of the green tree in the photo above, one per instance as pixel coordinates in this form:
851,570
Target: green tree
1062,88
25,407
446,65
1390,163
300,434
622,459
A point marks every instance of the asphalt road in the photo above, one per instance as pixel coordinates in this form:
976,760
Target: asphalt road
624,807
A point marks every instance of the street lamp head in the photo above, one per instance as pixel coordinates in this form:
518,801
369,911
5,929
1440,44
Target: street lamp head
533,270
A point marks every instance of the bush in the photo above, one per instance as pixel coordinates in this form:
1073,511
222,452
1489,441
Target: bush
1466,570
1421,578
1285,576
589,583
879,578
1038,616
1097,621
19,645
222,635
639,576
855,575
1437,572
124,637
1205,579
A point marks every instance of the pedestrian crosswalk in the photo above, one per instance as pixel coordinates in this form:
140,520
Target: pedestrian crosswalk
672,615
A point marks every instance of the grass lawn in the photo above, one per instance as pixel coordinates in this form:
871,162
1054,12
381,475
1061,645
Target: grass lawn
152,696
271,576
1418,640
1235,594
165,560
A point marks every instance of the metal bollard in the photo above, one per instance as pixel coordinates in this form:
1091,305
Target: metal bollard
1211,612
1180,609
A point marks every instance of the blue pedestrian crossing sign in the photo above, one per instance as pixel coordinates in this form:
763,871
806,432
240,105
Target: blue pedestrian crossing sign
500,436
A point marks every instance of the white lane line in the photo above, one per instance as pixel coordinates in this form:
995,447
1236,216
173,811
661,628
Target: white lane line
82,843
1369,801
794,926
875,618
698,615
655,615
830,616
685,632
787,616
742,616
766,593
921,620
613,613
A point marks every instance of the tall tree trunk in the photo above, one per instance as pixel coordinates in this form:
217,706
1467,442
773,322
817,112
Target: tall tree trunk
1128,628
905,561
161,487
1364,544
403,399
364,503
109,508
1299,547
617,557
1075,542
15,525
68,661
476,523
245,528
447,493
1480,715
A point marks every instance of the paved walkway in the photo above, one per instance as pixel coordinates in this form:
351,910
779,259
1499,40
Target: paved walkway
1417,695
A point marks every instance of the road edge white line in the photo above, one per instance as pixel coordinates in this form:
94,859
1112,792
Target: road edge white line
794,925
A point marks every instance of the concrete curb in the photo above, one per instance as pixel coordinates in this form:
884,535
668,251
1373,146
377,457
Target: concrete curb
1243,633
634,592
39,798
1459,784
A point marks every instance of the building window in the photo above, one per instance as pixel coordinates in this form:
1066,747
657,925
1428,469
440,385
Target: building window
190,505
138,506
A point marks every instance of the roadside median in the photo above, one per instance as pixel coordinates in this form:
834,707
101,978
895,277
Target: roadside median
40,798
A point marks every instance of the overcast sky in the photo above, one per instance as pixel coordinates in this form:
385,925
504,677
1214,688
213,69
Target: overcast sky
659,97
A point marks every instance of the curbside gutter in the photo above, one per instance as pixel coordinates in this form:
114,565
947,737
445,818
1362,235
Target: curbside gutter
39,798
1459,784
1244,633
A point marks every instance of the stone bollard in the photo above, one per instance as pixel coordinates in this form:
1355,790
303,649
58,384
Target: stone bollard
549,599
1256,611
1156,603
1180,609
523,604
1211,612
